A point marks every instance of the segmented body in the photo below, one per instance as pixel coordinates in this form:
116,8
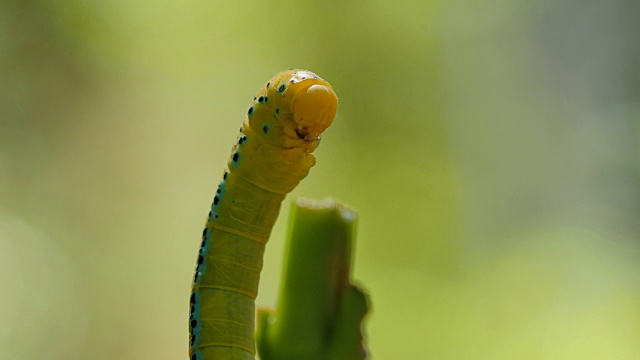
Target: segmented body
273,153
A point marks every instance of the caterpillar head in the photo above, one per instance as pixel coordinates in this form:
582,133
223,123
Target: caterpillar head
314,104
293,109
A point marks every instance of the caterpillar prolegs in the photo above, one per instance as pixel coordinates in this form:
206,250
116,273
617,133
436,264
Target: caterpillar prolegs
272,154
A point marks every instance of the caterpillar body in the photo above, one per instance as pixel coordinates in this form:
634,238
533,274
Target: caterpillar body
272,154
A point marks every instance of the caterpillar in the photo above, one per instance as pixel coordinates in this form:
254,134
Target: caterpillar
272,154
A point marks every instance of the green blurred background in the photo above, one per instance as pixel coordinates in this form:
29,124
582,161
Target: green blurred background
490,148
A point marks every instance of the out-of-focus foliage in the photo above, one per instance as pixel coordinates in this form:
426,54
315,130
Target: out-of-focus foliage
491,149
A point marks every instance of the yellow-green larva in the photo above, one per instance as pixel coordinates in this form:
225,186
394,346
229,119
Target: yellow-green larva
272,154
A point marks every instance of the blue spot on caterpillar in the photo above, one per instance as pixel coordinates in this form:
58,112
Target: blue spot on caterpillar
272,154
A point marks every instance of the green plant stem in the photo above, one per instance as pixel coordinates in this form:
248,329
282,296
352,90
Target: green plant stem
319,311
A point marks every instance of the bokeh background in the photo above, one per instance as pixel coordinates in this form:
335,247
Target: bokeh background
490,148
